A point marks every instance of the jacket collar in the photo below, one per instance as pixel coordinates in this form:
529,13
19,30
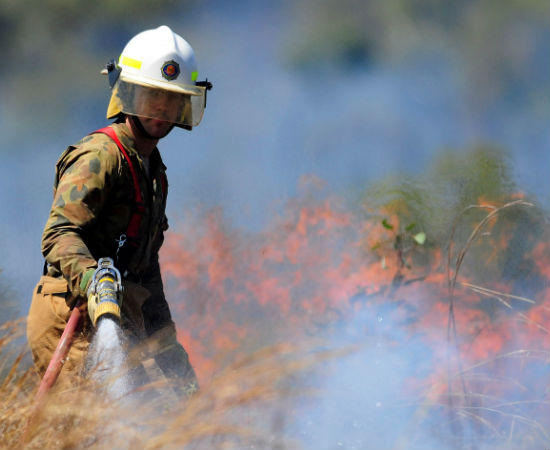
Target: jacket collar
128,141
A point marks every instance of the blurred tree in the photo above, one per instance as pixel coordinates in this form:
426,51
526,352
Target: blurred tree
34,29
500,46
440,201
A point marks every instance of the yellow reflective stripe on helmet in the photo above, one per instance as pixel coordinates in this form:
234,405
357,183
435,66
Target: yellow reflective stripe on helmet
130,62
194,75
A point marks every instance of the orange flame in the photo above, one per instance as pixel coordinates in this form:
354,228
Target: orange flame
315,265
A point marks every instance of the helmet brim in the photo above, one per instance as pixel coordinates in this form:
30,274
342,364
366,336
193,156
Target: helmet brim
163,85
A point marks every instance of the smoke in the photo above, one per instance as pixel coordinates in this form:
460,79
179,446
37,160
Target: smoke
402,387
430,367
363,400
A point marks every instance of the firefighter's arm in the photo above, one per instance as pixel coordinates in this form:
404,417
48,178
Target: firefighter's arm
82,189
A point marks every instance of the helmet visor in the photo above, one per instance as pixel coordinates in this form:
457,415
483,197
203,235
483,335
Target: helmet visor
177,107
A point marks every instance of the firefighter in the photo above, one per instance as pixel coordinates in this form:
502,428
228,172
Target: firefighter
109,202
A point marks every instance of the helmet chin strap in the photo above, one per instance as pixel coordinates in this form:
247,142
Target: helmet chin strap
137,122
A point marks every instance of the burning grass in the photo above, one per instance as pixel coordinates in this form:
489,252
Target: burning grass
477,303
450,336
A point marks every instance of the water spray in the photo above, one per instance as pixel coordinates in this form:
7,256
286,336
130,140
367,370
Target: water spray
106,351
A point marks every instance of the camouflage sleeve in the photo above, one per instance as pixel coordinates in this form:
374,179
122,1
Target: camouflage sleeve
84,178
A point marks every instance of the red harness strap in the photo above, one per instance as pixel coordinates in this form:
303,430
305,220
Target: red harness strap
135,221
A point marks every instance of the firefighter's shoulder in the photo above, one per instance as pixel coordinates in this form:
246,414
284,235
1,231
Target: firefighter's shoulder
93,154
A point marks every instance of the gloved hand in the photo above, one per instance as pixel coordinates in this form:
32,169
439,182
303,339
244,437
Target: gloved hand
85,285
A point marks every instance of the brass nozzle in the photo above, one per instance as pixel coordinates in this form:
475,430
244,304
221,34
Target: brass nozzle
106,307
105,291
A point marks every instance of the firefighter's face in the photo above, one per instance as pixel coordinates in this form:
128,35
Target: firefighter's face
158,104
155,127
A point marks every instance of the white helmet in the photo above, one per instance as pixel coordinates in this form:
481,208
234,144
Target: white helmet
156,77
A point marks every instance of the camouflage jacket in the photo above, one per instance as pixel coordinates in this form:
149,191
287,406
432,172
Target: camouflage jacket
92,206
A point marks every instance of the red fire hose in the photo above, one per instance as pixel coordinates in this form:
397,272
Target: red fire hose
58,358
54,367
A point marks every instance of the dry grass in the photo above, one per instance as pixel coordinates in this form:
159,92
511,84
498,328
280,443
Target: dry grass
470,399
242,407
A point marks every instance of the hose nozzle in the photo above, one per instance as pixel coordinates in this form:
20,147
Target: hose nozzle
105,292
